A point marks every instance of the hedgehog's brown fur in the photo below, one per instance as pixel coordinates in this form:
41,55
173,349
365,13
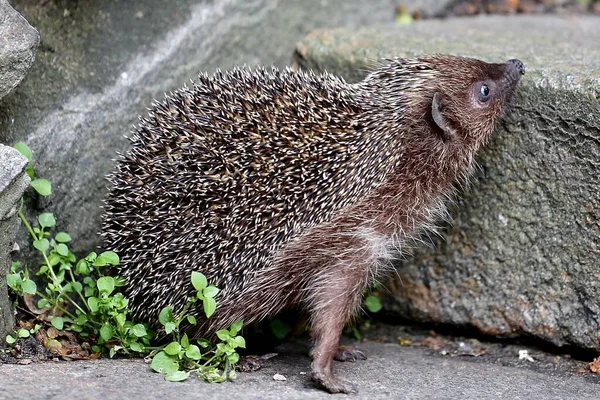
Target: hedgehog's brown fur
290,188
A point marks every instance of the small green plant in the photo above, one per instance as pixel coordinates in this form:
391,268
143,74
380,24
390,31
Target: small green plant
78,295
22,333
373,303
178,359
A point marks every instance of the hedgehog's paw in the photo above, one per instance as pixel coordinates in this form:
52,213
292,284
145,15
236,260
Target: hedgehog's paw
349,353
332,384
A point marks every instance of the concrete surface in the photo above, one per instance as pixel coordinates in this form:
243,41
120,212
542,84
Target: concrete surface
18,42
391,372
522,255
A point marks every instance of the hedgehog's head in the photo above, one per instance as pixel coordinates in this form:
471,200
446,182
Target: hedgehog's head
457,99
469,95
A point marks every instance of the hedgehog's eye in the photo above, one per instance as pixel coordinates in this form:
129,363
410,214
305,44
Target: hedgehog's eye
484,91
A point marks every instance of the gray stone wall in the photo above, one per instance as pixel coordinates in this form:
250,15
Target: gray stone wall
18,42
13,182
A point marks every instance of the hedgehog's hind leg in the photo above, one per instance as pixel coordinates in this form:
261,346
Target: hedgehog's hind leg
334,299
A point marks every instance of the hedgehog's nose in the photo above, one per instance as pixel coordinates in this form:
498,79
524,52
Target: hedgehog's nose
517,65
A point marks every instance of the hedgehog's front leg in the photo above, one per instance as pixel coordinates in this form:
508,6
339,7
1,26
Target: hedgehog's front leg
334,299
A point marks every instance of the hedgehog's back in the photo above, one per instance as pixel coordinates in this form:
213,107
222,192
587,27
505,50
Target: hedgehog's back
221,174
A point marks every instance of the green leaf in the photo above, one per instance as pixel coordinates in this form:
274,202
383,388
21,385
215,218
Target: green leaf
139,330
199,281
62,249
120,319
164,363
14,266
210,305
81,319
373,303
82,267
191,319
177,376
135,346
25,150
239,341
30,172
57,322
10,339
185,341
112,352
279,328
173,348
119,301
14,281
23,333
54,259
120,281
62,237
210,291
41,245
106,284
43,303
29,286
193,352
46,220
236,327
166,315
107,258
233,358
42,186
170,327
223,334
93,303
106,332
77,286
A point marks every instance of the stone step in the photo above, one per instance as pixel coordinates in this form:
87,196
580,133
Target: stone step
523,253
390,372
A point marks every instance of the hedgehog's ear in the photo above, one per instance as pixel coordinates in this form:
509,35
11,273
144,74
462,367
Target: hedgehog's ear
439,119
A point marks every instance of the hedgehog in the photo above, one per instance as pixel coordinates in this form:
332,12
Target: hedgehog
294,189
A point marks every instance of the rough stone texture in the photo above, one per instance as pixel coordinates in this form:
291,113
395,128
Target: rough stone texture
13,182
391,372
522,256
18,42
101,65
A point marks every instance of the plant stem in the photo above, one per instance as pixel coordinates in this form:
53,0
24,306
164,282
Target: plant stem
56,305
53,275
78,291
25,222
209,360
